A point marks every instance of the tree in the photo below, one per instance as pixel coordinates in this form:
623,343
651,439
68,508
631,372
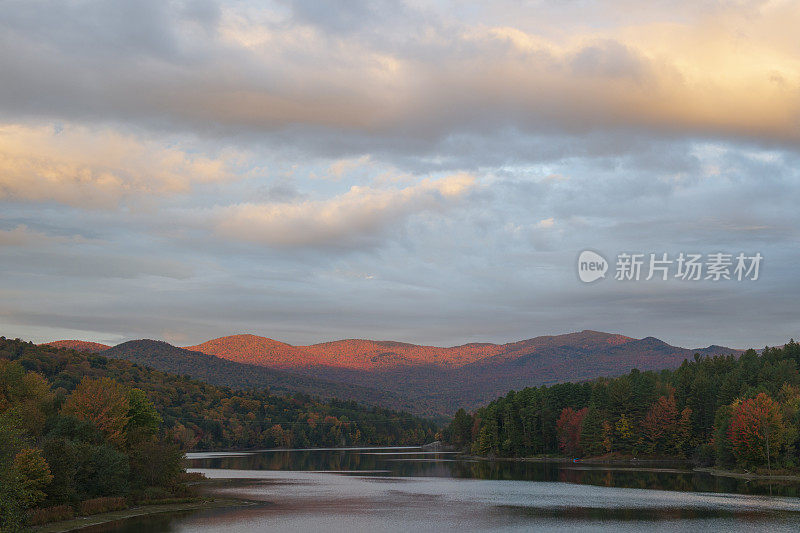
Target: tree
568,427
664,430
660,425
592,432
24,396
32,473
723,451
608,437
624,429
142,415
11,493
461,428
756,430
104,402
155,463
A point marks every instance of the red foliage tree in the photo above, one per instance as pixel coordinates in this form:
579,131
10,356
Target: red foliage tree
756,429
664,429
568,427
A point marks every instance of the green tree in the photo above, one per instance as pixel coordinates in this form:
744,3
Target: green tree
32,473
592,432
461,428
142,415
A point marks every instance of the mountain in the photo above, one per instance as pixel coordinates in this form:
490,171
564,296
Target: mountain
79,346
423,379
469,375
350,353
168,358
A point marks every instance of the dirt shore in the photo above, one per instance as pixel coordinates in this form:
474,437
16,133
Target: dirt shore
131,512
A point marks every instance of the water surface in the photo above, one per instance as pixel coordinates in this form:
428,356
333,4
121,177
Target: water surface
409,489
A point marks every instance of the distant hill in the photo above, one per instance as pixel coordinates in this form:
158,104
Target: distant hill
460,376
350,353
168,358
423,379
79,346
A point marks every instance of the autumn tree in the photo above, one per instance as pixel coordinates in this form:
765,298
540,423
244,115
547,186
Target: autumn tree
24,475
624,432
33,474
568,427
24,397
104,402
665,431
756,429
608,437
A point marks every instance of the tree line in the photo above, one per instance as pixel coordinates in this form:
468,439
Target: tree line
720,410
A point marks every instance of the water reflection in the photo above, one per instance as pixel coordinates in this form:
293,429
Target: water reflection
414,462
379,489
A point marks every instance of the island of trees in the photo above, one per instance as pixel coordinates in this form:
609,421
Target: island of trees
725,411
81,433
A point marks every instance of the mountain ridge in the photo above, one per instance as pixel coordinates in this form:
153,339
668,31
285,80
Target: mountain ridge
366,354
426,380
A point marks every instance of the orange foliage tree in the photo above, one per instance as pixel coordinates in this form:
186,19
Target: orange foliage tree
104,402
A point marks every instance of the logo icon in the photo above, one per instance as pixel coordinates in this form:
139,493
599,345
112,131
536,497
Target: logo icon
591,266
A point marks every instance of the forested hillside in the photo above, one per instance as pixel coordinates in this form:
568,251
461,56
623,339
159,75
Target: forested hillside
718,409
210,369
204,416
84,432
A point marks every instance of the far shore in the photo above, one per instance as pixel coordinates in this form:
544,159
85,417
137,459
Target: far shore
633,464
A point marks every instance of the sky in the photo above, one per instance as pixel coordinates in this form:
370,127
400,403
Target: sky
418,171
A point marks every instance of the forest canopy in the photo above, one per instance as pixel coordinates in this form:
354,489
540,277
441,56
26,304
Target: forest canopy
721,410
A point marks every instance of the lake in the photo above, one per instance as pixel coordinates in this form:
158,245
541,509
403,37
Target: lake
409,489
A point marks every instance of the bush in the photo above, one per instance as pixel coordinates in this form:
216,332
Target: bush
155,493
50,514
192,477
103,505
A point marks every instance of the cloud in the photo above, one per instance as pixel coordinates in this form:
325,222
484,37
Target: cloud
260,71
352,219
22,235
342,166
88,167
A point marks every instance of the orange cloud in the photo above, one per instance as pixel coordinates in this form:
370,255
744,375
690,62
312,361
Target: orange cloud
349,219
95,168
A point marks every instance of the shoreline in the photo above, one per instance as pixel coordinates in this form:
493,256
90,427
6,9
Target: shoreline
78,523
641,465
